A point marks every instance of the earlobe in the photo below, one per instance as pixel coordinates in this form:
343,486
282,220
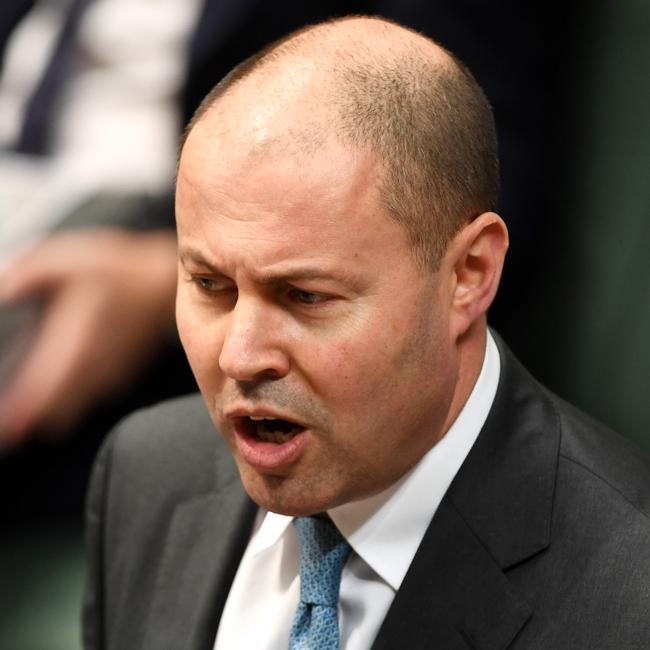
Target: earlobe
480,253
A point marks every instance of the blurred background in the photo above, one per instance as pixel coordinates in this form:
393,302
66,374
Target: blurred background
93,97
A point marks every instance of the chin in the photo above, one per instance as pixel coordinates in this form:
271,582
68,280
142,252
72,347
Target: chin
285,496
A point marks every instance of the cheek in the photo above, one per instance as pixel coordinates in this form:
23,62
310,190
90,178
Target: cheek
383,363
357,371
338,360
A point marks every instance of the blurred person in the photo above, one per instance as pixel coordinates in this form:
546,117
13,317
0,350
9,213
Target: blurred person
88,96
387,474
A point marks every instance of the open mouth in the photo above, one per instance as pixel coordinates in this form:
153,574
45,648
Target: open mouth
268,429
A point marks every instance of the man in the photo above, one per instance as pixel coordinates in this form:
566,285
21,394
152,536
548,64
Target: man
337,255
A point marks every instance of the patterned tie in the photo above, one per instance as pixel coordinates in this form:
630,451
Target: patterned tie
323,552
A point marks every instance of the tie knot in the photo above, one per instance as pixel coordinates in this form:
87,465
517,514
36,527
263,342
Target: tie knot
323,552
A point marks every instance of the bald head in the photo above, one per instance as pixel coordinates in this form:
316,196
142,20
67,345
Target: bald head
380,88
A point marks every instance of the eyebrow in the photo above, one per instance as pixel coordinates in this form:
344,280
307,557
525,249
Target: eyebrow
289,275
189,253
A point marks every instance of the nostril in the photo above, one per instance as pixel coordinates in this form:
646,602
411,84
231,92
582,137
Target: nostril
254,367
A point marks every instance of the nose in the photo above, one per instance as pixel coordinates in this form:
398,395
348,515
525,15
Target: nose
252,347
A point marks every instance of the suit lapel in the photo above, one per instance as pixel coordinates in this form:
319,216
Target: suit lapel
204,544
496,514
454,595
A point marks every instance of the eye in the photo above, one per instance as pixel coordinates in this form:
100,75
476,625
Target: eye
207,284
210,285
307,297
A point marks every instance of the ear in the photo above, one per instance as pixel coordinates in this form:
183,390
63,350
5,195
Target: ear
477,256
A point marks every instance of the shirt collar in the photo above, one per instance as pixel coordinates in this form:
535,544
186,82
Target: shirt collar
385,530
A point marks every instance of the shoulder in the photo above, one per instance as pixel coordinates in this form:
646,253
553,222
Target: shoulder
598,563
153,464
603,463
598,460
168,452
178,431
588,586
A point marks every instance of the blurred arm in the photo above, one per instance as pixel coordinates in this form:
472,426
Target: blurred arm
109,298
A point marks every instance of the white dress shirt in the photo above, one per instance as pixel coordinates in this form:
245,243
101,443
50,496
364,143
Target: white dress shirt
116,125
384,532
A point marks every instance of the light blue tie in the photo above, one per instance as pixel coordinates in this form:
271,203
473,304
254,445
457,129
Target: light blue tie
323,552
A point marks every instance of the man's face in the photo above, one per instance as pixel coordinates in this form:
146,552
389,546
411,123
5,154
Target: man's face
299,301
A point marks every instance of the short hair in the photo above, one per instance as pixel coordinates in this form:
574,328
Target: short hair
425,117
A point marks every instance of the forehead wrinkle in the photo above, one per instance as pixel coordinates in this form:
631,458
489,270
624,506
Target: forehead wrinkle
295,271
292,272
289,271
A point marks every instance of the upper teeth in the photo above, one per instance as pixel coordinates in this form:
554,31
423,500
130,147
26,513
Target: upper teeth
261,417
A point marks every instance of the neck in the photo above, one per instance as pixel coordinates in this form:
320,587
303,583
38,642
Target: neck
471,353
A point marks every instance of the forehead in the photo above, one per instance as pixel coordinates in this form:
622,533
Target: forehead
276,199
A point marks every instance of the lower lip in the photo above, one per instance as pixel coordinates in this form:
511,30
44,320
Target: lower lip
269,456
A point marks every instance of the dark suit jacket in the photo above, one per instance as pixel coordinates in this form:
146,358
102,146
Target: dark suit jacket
542,541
